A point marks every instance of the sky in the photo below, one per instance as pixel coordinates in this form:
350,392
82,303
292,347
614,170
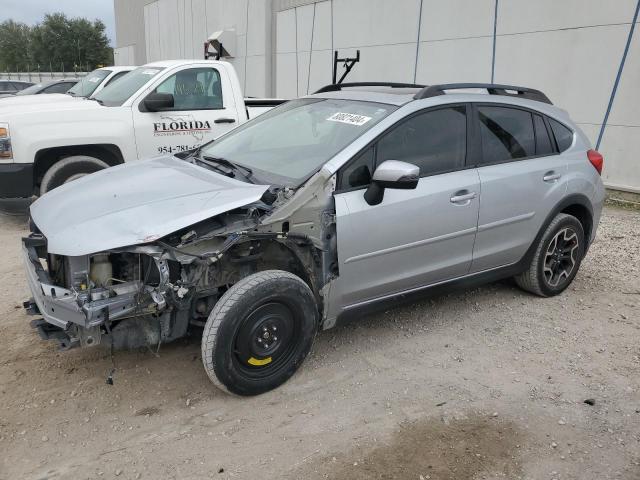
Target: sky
33,11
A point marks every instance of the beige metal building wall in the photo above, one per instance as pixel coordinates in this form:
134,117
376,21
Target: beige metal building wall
130,41
570,49
170,29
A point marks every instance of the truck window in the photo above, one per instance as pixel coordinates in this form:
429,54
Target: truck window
116,77
116,93
194,89
89,83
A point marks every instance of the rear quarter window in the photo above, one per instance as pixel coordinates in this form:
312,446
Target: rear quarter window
544,144
564,136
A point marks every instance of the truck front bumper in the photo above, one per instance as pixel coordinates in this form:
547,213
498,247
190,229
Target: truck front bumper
16,180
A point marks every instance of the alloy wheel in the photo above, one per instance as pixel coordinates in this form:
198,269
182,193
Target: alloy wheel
561,257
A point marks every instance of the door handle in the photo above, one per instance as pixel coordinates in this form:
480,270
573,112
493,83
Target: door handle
551,176
463,197
224,120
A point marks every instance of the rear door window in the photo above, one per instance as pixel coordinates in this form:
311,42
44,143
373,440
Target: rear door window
507,134
564,136
544,145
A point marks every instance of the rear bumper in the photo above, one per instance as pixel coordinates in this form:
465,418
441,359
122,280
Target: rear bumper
16,180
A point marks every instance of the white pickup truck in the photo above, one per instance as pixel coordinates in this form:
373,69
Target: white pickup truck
160,108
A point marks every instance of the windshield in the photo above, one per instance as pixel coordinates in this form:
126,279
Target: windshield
289,143
31,90
86,86
115,94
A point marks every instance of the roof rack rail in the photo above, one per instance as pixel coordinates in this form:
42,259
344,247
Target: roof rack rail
492,89
336,87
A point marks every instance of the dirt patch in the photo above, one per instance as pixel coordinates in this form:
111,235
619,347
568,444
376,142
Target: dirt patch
147,411
435,448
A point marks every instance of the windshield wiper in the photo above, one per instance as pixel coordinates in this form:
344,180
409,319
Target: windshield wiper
246,172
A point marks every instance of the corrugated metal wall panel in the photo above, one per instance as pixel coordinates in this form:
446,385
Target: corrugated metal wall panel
130,29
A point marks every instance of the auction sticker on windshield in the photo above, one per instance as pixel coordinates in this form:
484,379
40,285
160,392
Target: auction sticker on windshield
349,118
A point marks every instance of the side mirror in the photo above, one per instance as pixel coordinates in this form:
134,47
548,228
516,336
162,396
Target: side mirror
391,174
156,102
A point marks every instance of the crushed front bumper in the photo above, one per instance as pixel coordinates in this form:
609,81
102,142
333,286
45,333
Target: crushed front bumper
58,306
68,309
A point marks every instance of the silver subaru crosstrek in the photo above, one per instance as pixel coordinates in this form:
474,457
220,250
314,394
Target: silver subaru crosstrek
343,199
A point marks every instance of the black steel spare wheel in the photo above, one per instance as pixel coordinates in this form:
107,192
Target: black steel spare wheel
259,332
266,338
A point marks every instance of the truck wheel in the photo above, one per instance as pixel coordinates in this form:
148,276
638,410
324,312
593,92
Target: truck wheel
259,332
69,169
556,259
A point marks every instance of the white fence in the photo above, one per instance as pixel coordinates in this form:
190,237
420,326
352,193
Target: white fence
37,77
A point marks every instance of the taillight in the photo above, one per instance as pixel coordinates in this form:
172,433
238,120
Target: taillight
596,159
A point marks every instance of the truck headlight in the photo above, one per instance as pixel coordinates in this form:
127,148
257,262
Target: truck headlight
5,143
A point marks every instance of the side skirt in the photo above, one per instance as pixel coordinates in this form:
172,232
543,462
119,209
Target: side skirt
420,293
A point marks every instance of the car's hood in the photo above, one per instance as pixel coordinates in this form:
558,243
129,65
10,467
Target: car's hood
135,203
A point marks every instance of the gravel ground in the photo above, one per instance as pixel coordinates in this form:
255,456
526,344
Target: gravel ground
484,383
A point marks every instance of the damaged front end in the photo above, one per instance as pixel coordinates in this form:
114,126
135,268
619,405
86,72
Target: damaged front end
149,294
82,299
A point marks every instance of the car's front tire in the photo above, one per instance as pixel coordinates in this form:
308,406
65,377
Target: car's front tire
69,169
259,332
556,259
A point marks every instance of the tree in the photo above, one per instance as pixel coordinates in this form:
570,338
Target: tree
57,43
14,44
72,43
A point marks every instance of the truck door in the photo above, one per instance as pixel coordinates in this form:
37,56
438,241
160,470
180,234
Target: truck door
203,109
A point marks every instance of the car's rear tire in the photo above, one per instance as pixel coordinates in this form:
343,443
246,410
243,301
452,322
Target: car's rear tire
556,259
259,332
69,169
